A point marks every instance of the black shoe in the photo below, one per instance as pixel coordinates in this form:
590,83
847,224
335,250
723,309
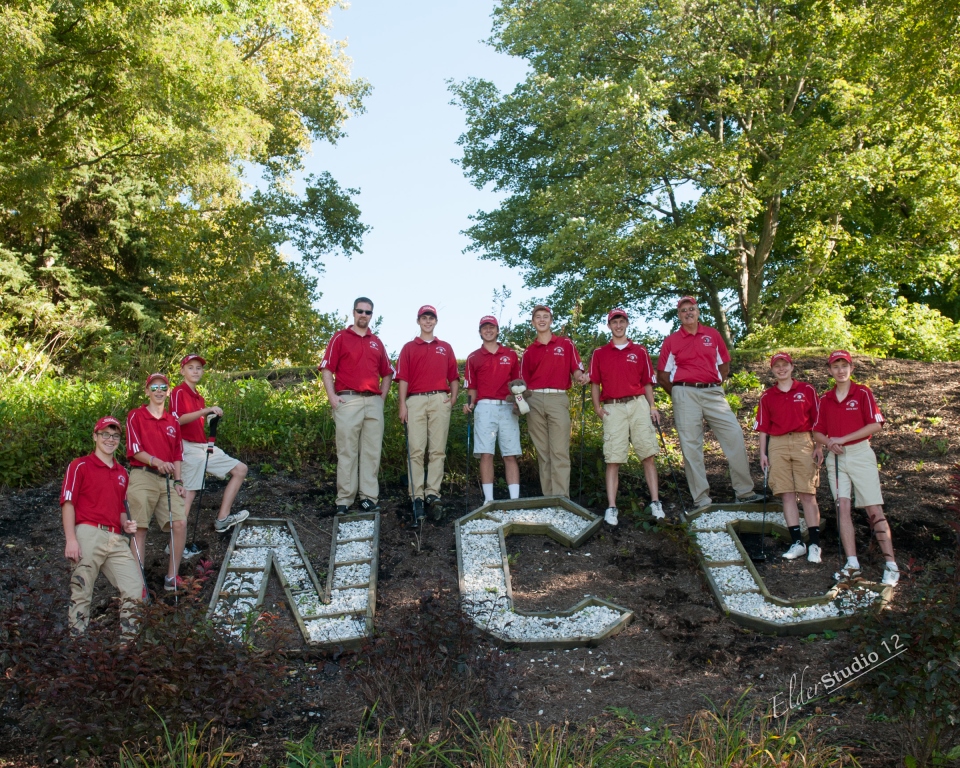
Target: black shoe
431,500
369,505
417,511
342,509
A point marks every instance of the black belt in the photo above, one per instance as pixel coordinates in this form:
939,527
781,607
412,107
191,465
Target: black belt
151,469
432,392
623,399
696,384
354,392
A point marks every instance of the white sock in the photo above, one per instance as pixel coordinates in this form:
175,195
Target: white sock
487,491
892,565
852,562
514,489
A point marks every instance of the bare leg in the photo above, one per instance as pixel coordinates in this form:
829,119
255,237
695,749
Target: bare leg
790,511
847,537
811,511
188,497
486,467
613,484
881,528
179,539
511,469
237,474
653,482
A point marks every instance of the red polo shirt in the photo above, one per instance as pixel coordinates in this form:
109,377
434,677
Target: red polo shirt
621,372
693,358
357,362
160,438
780,413
95,490
858,409
490,372
427,366
184,400
550,365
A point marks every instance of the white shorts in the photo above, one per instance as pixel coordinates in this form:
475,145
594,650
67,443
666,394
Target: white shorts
859,475
194,455
492,420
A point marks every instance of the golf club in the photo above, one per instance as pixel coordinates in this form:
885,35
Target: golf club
417,512
583,421
673,472
466,486
173,550
761,556
132,537
836,509
192,549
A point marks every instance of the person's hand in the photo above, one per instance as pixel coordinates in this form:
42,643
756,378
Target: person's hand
835,446
402,411
818,455
655,415
215,410
72,551
181,491
601,411
164,467
448,401
335,401
581,378
129,526
764,462
468,408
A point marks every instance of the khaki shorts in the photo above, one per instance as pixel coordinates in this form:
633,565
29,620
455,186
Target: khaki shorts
859,475
147,496
627,423
194,455
792,468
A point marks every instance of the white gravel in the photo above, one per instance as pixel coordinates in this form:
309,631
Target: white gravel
481,525
561,519
717,520
265,536
718,546
342,601
850,601
335,630
493,615
345,575
478,582
245,581
733,578
249,557
354,550
355,529
298,578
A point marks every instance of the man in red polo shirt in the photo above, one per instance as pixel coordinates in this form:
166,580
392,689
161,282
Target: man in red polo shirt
692,366
848,416
155,451
621,382
785,417
429,382
356,375
91,504
488,373
547,367
190,408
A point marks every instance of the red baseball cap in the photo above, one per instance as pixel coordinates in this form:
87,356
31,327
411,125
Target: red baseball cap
780,356
542,306
685,299
426,309
189,358
840,354
489,319
106,421
153,376
618,312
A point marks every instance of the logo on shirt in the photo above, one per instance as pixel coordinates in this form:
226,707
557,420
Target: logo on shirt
632,357
505,360
852,405
373,345
558,351
707,341
171,432
441,351
122,480
798,397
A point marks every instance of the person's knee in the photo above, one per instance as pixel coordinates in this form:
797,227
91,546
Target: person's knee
179,526
240,471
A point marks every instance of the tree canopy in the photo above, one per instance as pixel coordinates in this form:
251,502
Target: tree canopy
754,154
127,130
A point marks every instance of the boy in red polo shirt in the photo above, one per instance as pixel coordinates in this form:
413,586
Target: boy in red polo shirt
547,367
848,416
91,504
190,408
488,373
621,382
785,418
155,451
429,383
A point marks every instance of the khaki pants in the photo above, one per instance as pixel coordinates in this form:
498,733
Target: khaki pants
147,497
691,407
108,552
428,422
359,422
549,425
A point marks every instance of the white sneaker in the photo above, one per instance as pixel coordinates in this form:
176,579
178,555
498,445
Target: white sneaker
813,553
797,549
610,516
656,509
890,576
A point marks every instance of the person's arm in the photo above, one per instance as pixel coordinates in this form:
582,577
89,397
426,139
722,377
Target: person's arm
835,444
724,369
202,413
663,379
385,383
332,397
454,390
177,481
654,413
163,467
403,387
597,405
764,461
72,550
471,401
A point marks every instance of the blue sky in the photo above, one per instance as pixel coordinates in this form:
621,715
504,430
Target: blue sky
399,154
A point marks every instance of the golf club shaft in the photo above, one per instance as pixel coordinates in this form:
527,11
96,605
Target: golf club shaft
583,421
673,473
203,485
763,525
173,549
136,546
836,508
466,490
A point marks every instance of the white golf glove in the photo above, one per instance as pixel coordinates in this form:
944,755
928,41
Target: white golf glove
518,387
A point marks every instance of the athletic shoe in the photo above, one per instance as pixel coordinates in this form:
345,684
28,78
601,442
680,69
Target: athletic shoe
369,505
231,520
813,553
847,573
431,500
417,511
751,498
797,549
656,509
702,506
890,577
610,516
188,551
172,585
342,509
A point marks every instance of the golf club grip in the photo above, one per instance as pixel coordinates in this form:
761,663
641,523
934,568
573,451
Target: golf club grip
214,423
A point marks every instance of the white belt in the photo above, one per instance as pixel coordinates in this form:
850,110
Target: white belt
549,391
496,402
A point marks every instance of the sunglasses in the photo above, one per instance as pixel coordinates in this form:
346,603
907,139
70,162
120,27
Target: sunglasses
364,311
158,387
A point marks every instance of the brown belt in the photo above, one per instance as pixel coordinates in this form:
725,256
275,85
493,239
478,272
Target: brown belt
109,528
623,399
361,394
696,384
151,470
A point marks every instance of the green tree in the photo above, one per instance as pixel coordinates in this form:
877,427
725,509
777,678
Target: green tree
126,130
746,152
